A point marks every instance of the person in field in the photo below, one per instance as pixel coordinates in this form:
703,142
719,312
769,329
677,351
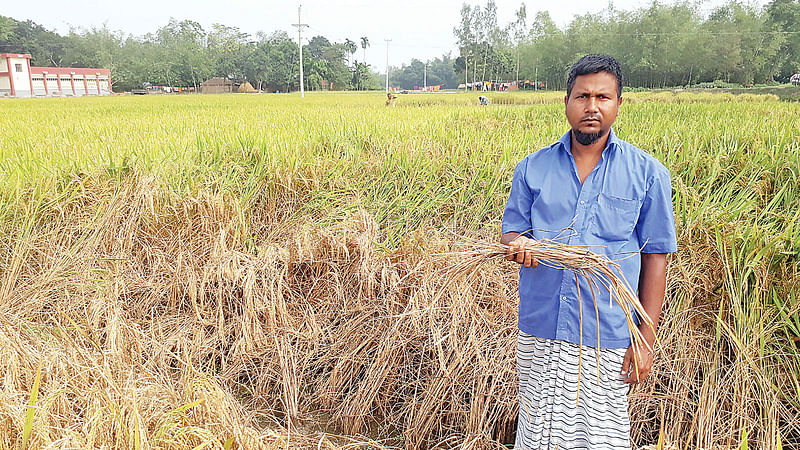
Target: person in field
593,189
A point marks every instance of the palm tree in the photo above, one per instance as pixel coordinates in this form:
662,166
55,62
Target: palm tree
350,47
364,45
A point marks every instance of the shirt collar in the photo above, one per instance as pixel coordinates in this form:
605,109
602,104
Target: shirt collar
612,144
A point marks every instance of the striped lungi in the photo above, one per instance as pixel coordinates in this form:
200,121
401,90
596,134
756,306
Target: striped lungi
548,387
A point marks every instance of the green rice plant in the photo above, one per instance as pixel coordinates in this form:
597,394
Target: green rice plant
31,412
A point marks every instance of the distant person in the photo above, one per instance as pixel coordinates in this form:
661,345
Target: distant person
484,100
617,200
390,99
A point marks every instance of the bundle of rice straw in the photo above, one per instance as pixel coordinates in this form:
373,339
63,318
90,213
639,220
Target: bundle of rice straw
599,270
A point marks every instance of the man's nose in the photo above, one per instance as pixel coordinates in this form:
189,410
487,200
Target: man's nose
591,105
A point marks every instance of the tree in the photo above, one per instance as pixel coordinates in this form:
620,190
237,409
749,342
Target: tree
187,60
327,62
350,47
364,45
782,17
440,71
283,58
45,47
482,41
364,78
518,30
97,47
231,50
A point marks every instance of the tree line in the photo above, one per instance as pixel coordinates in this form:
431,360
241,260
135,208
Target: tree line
183,53
658,45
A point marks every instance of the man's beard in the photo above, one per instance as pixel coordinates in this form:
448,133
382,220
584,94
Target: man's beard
587,138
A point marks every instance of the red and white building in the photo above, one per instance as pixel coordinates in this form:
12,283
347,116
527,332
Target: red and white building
19,79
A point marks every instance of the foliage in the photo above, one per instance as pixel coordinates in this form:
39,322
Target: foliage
439,72
658,45
183,53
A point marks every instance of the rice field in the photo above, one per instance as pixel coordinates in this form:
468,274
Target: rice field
261,271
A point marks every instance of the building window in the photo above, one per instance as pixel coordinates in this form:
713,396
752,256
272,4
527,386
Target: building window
18,67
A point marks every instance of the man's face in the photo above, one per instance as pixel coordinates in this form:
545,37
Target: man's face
593,105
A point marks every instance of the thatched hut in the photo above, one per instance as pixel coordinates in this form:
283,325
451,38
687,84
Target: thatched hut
216,85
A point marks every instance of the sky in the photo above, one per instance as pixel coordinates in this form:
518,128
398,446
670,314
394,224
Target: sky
421,29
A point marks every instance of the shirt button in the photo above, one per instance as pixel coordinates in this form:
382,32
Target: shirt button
582,202
563,297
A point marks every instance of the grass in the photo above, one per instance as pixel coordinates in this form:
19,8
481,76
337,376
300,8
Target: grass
191,269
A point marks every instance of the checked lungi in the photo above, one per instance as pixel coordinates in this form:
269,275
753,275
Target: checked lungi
549,417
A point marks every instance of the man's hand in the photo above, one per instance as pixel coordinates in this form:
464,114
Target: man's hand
638,371
652,284
516,252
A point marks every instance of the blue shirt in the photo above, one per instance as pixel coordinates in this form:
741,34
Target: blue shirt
625,204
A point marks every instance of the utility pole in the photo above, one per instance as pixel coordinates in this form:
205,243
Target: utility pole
300,26
466,74
387,64
425,77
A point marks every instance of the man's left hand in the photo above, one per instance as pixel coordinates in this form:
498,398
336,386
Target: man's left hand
637,372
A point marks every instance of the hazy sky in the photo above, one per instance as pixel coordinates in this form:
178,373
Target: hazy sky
421,29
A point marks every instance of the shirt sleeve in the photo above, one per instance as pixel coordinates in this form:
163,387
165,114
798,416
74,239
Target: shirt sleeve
517,215
656,225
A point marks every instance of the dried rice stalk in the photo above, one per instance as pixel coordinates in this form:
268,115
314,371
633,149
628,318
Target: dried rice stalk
599,270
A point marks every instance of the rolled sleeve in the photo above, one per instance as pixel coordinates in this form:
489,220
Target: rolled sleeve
656,225
517,215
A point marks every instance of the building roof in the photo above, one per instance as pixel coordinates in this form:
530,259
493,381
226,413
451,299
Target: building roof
217,81
69,70
15,55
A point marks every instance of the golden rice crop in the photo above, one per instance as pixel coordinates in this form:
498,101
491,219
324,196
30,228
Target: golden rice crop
261,272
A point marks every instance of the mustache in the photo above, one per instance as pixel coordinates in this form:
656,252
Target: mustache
590,117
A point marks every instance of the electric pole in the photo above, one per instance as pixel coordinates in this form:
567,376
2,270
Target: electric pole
466,77
387,64
425,77
300,26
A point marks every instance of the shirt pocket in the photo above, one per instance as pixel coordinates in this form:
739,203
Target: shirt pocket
615,217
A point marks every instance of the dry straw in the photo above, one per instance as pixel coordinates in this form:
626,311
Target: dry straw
600,271
155,322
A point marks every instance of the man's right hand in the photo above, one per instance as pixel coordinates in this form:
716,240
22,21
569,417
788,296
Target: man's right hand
516,252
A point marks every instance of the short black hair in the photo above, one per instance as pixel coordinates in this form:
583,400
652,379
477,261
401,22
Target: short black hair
595,64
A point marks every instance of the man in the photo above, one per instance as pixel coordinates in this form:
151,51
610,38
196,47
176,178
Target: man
616,199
